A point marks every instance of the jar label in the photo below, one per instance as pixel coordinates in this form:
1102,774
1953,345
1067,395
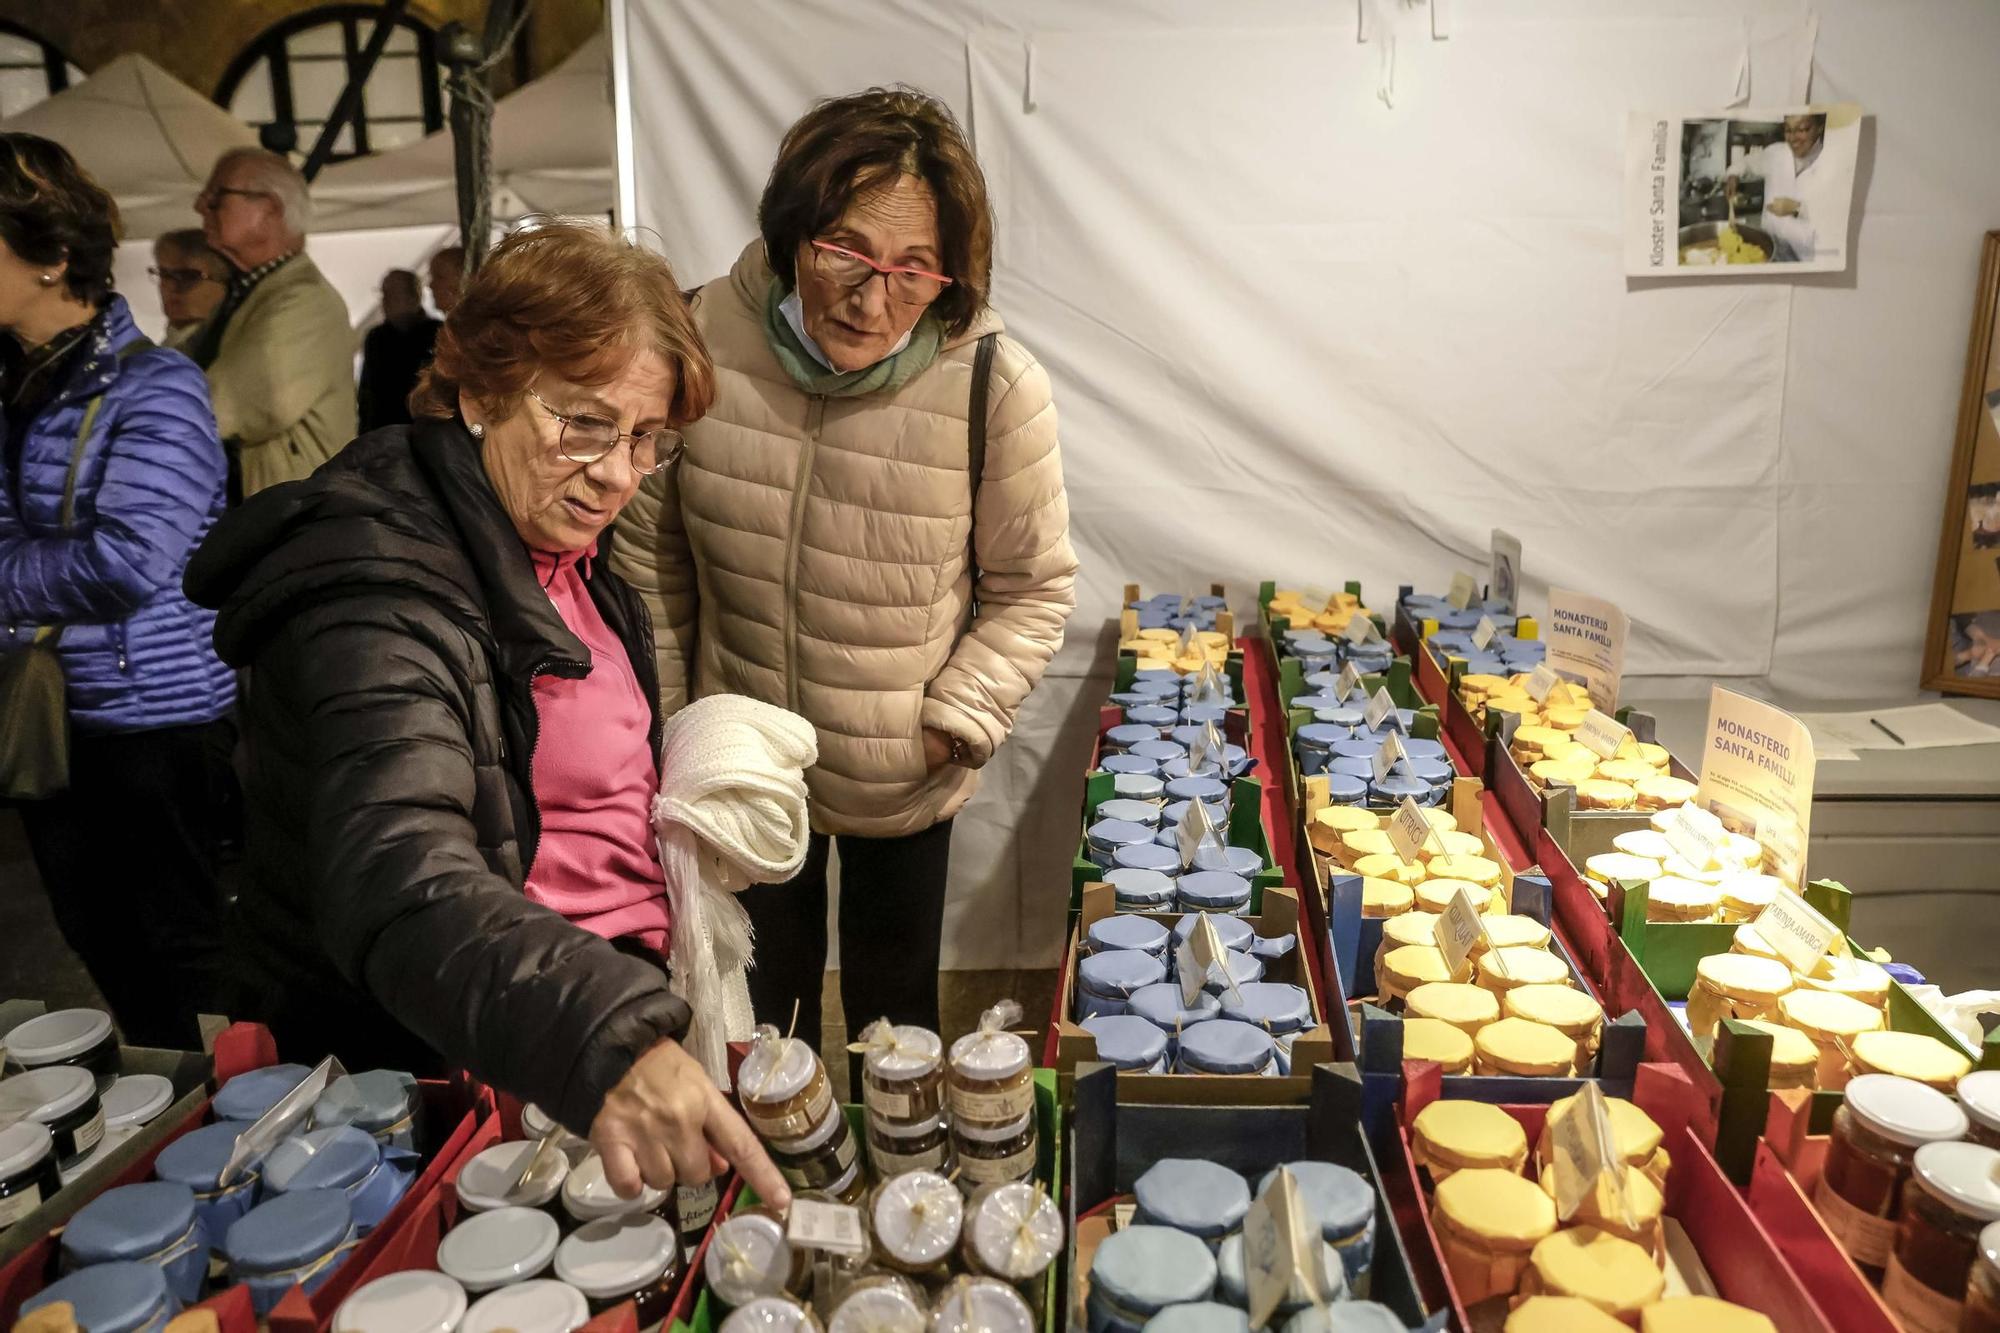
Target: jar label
1002,1107
777,1129
895,1163
89,1133
895,1105
694,1206
997,1170
1918,1308
1866,1237
17,1206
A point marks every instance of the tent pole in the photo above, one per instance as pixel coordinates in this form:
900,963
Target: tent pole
357,78
472,61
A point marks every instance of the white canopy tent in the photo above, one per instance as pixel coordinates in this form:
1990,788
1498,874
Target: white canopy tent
552,153
143,135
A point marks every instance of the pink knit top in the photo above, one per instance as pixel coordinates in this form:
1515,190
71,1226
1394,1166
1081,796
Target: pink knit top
595,779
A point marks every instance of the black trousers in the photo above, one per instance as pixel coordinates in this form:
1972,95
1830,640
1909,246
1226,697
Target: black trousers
128,857
891,931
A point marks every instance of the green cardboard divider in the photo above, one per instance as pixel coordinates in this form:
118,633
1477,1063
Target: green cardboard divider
707,1315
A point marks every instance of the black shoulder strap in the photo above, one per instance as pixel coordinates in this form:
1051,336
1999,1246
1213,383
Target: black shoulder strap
975,452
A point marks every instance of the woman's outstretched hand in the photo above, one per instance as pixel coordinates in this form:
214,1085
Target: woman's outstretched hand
667,1124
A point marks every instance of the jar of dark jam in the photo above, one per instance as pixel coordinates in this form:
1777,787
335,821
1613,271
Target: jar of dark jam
634,1258
1953,1196
1982,1298
28,1175
1877,1131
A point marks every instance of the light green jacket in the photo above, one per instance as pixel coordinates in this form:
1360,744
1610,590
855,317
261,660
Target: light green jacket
283,380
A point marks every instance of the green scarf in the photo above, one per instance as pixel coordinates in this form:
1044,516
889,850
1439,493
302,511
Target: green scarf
891,372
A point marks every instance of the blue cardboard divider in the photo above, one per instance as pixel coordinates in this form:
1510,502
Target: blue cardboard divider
1113,1144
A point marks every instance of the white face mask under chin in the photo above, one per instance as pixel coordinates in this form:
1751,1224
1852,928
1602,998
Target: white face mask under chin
794,311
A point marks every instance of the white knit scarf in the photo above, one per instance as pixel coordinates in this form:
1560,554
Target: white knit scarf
731,813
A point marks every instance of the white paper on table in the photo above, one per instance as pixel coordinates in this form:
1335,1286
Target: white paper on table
1921,727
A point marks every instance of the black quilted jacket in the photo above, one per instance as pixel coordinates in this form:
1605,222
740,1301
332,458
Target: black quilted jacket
392,627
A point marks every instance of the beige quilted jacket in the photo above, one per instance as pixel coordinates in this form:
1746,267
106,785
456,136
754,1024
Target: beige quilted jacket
812,552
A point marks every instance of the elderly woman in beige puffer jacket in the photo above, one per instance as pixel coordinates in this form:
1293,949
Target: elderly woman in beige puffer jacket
869,528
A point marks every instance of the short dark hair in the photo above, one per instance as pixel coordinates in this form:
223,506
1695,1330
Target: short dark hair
52,212
847,146
189,243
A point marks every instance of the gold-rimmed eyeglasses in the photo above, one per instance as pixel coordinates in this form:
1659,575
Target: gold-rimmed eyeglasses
585,437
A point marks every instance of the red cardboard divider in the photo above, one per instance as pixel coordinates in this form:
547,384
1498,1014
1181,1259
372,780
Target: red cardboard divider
1268,740
1739,1253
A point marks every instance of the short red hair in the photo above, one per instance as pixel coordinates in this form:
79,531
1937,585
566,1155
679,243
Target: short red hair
570,297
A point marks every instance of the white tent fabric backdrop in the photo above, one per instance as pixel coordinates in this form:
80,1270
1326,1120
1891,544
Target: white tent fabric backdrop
1300,333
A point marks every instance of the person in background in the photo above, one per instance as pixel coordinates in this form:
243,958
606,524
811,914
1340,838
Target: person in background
395,352
112,474
451,725
193,280
447,276
278,350
830,543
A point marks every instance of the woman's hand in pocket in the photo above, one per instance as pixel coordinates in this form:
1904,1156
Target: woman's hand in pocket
937,749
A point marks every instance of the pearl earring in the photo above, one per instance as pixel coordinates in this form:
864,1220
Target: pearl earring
478,431
48,279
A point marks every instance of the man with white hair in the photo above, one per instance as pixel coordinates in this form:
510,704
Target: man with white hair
278,351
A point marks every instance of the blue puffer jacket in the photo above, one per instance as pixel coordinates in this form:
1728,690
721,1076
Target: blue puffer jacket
136,652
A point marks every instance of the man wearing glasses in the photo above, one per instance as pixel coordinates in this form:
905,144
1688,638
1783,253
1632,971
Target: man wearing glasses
278,350
193,280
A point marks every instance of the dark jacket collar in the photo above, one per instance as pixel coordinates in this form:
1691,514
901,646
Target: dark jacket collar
94,371
405,510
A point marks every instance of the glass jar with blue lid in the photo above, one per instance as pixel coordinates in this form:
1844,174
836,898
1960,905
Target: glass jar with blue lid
1223,1047
1155,717
1280,1009
294,1240
1161,1006
150,1223
383,1102
1232,1282
1200,1317
1129,764
1236,934
416,1300
1213,891
112,1298
1129,1042
1104,980
1204,714
1396,788
496,1249
541,1306
1148,855
1136,890
1209,789
1127,932
1141,1270
80,1037
1176,811
1105,838
1127,734
1236,860
1145,787
253,1092
1342,1205
62,1099
1161,751
28,1175
1202,1198
346,1158
196,1160
1346,789
1143,813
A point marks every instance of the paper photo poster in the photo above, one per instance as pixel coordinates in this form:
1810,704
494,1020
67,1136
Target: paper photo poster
1586,638
1740,193
1757,778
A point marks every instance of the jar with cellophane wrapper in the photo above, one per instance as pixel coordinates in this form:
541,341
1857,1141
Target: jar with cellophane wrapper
991,1080
902,1075
788,1100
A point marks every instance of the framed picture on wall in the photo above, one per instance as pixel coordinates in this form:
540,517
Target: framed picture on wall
1962,651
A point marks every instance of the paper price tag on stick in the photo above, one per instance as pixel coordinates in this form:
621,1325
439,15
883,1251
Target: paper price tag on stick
1800,934
1349,684
834,1227
1410,831
1586,1157
1542,680
1210,953
1208,748
1460,930
1484,633
1602,736
1193,976
1360,629
1381,709
1196,827
286,1115
1279,1250
1391,754
1463,589
1696,836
